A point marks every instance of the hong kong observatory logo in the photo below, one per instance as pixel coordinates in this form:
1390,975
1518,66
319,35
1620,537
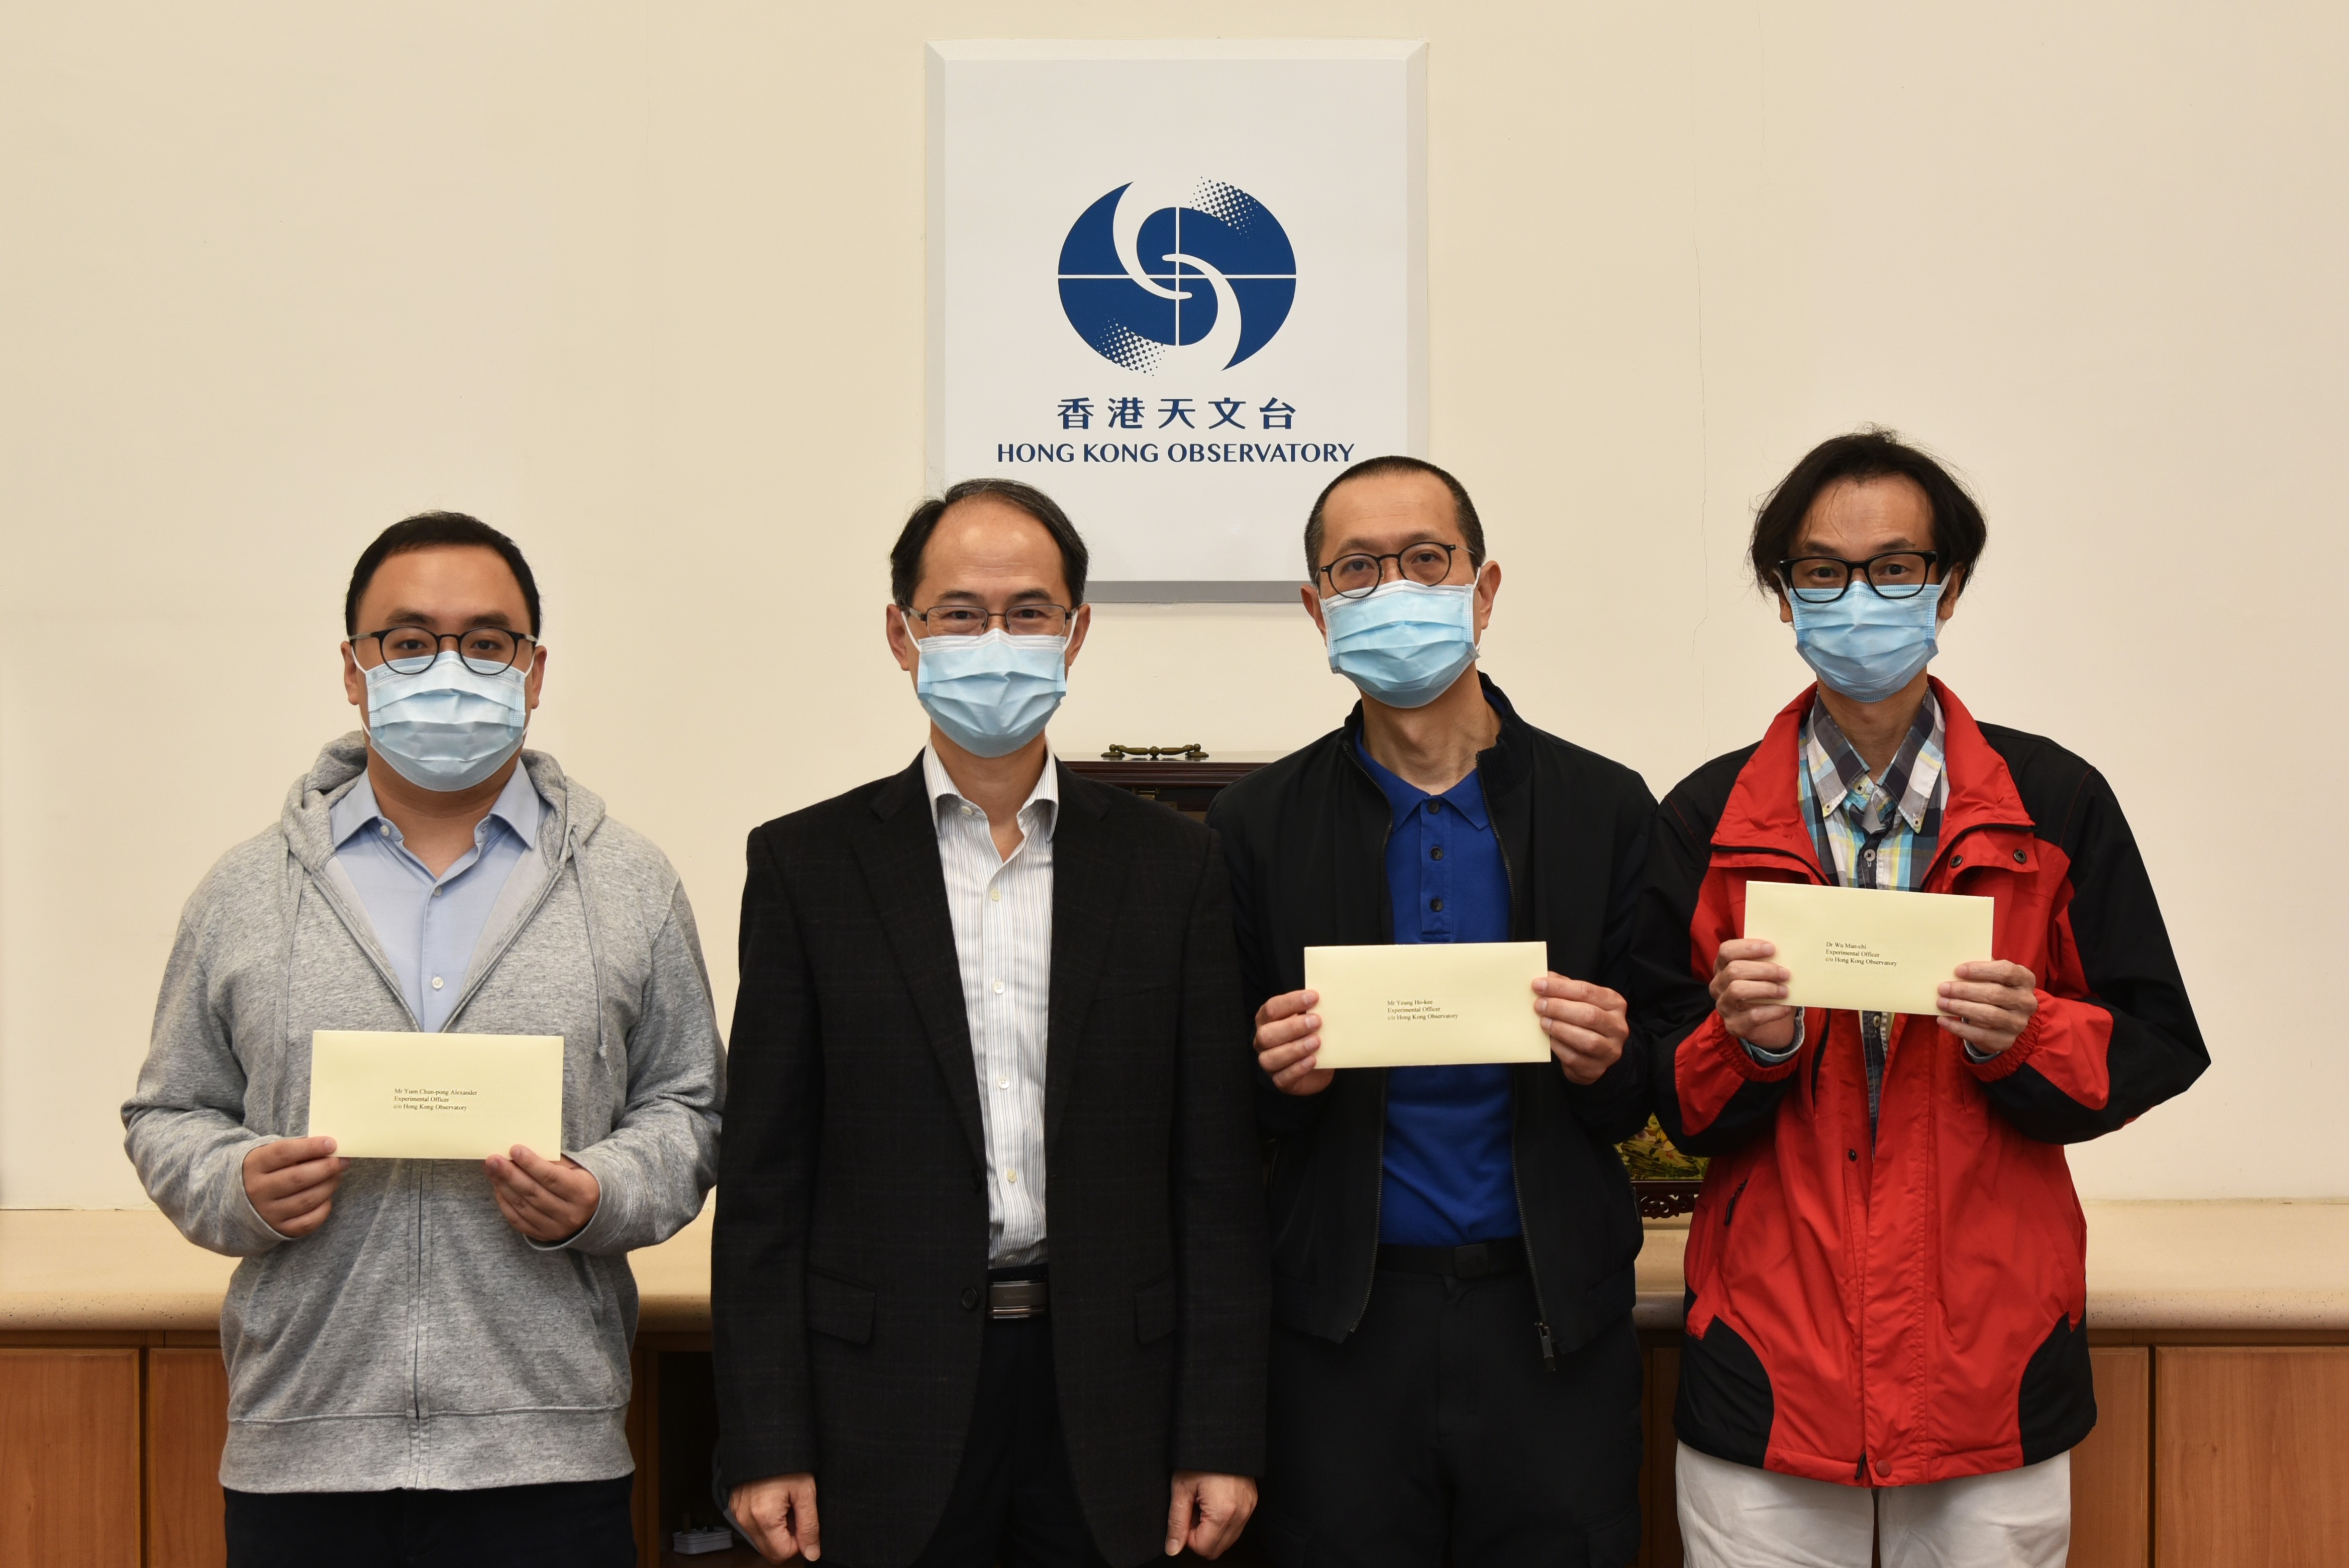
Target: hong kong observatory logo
1198,275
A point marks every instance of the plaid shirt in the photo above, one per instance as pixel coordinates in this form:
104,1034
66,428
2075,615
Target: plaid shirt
1871,832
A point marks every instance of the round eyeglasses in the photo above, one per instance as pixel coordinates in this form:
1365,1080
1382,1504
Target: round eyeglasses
1357,576
1824,578
411,650
1034,620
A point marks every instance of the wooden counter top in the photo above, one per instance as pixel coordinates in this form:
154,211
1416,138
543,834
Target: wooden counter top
2276,1265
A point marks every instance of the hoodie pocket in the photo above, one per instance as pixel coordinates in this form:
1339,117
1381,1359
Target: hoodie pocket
506,1325
842,1310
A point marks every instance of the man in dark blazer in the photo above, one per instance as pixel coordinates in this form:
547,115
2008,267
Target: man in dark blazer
1453,1367
988,1278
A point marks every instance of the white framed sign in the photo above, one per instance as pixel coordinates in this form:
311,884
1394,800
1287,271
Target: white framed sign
1179,286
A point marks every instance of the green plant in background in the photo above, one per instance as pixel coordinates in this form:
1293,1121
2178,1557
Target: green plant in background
1651,1157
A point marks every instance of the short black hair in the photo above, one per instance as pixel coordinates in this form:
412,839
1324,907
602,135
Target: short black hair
1871,452
906,555
436,531
1472,528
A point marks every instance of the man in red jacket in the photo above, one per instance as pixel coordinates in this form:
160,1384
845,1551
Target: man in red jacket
1886,1269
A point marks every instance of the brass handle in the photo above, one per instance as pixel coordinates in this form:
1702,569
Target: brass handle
1194,752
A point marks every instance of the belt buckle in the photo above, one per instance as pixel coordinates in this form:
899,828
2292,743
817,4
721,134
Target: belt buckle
1474,1261
1013,1299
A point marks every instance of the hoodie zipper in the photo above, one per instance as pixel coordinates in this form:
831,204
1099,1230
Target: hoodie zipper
514,933
416,1286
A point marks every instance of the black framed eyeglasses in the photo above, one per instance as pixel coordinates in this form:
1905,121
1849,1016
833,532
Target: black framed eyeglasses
1824,578
1035,619
1357,576
411,650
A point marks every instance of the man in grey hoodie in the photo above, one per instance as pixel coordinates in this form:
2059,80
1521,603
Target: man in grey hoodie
429,1359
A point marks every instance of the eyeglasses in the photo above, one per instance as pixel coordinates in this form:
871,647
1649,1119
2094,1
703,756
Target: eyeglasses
1034,620
1357,576
411,650
1824,578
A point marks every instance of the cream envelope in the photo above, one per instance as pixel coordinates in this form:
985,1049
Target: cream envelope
390,1094
1870,949
1428,1004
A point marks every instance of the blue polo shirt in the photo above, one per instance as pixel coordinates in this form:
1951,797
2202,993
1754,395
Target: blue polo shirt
1449,1178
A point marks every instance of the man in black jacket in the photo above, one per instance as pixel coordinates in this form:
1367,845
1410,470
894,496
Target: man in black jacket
1454,1366
959,983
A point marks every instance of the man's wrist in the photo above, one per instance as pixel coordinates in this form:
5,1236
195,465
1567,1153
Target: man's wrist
1768,1057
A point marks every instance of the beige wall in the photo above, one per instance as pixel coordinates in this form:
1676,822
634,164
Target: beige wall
643,286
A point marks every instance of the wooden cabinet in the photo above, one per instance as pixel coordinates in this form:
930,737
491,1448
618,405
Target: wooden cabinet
1660,1539
2111,1472
69,1456
2251,1452
2204,1455
187,1422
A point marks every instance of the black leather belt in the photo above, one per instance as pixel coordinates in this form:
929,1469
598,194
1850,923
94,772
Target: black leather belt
1477,1260
1016,1298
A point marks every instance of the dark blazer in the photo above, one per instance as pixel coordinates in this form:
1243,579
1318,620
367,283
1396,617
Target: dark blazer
849,1265
1306,841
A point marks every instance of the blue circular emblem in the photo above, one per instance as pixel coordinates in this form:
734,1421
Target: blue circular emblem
1143,279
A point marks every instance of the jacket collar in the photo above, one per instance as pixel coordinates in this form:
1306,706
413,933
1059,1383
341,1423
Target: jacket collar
911,786
1764,812
900,858
1499,766
1505,771
572,812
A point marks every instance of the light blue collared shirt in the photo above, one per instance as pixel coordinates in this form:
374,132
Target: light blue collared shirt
430,928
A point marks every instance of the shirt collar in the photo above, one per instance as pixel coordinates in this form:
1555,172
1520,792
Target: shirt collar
1839,779
518,807
1036,814
1403,797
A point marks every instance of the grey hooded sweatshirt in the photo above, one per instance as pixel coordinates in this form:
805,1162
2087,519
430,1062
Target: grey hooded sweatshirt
416,1339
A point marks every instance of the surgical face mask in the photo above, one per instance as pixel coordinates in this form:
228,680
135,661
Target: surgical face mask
1404,643
447,726
1868,646
994,693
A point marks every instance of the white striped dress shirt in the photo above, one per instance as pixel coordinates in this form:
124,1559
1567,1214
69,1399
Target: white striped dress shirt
1002,912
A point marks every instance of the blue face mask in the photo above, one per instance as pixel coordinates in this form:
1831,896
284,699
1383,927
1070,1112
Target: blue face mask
1405,642
994,693
446,727
1868,646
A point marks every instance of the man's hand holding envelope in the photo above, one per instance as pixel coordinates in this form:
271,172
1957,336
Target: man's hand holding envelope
1420,986
400,1095
1839,938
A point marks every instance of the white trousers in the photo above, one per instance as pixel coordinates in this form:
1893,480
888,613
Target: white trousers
1735,1516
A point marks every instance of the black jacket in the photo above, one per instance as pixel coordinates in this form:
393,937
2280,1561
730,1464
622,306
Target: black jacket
849,1264
1305,842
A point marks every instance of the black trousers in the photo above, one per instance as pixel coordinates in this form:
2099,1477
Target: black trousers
1434,1432
1014,1500
563,1524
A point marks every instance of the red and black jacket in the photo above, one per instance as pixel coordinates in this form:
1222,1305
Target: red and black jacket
1904,1307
